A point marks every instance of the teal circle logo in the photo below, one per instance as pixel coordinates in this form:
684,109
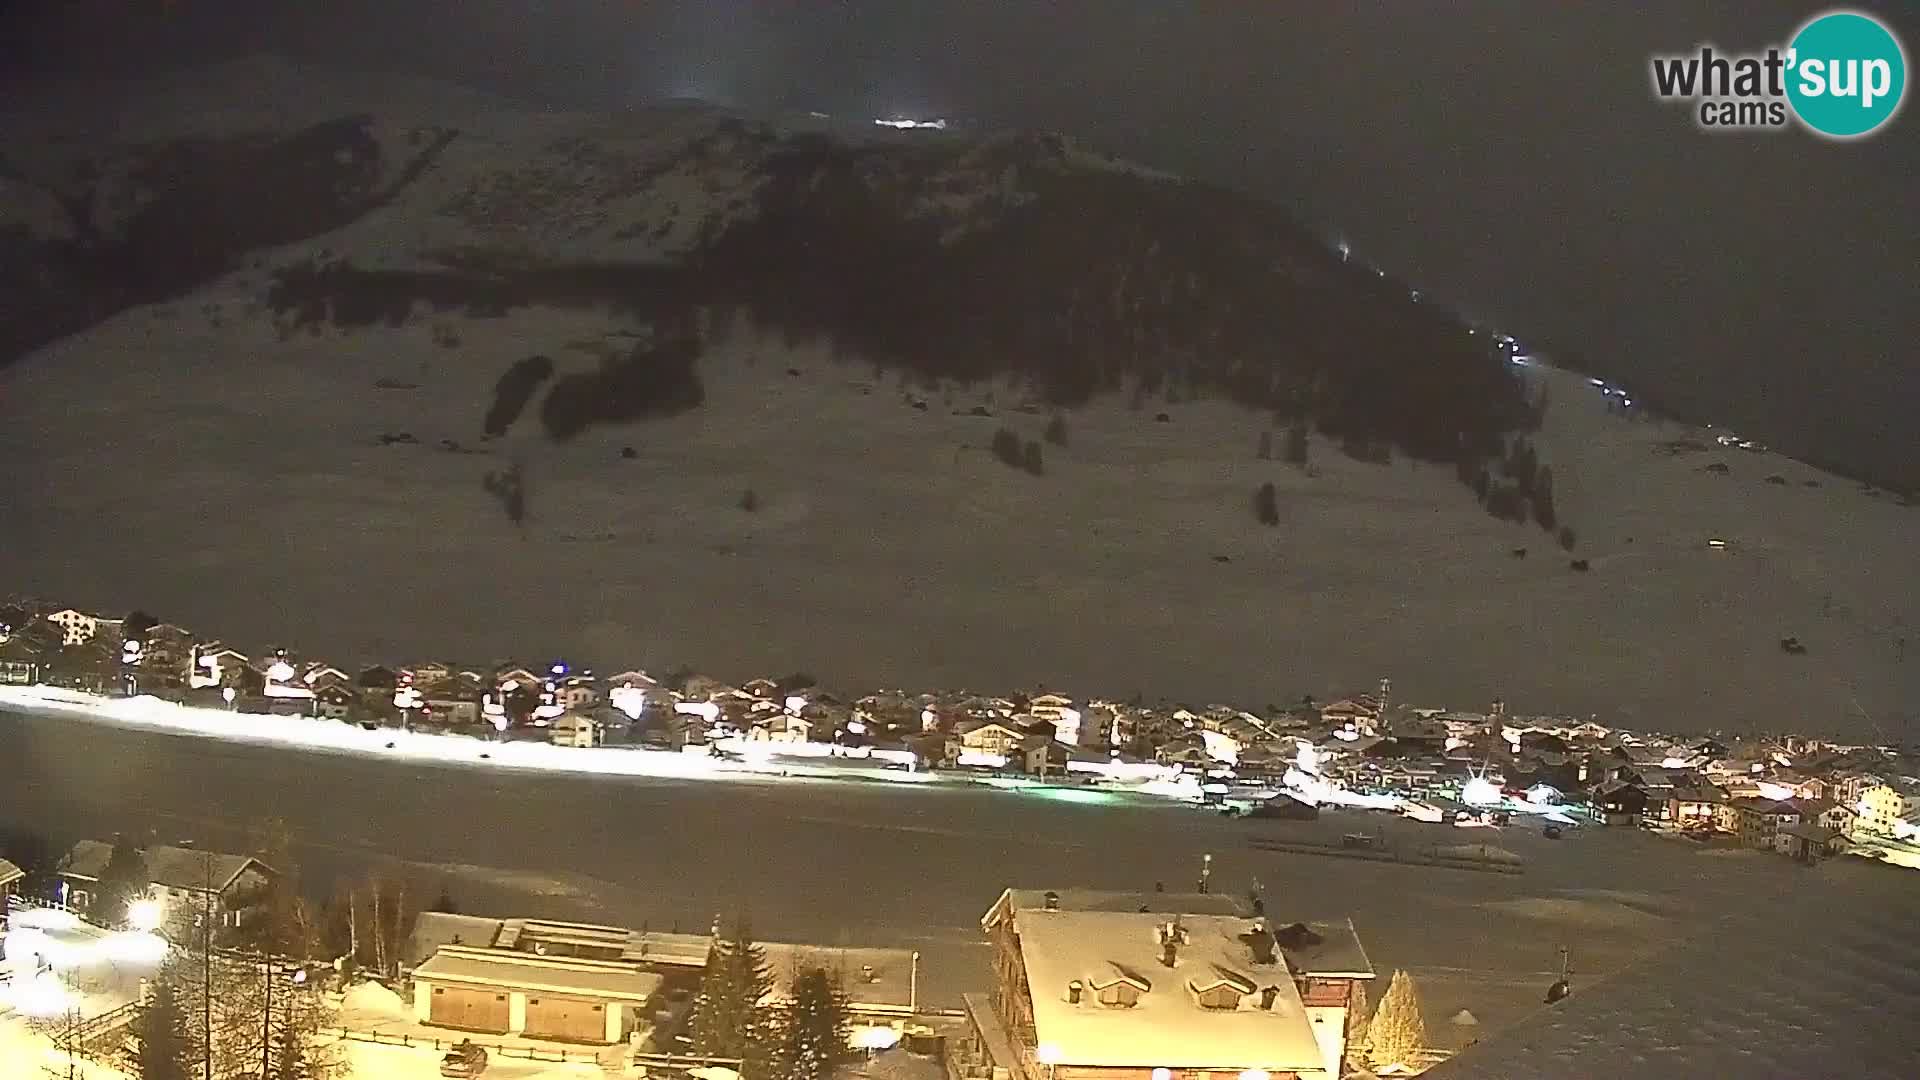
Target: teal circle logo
1846,74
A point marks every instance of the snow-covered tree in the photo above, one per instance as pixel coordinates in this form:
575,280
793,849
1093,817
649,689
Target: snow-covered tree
162,1048
1397,1032
814,1032
730,1014
1357,1014
1297,443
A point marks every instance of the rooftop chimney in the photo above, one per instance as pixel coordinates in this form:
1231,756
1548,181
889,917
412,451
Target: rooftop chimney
1050,900
866,973
1260,943
1268,996
1170,952
1073,992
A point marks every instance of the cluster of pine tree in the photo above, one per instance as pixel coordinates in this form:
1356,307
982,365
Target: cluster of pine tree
1008,448
1516,487
804,1039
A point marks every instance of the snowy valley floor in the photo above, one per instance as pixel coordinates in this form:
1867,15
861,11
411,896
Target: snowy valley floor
914,866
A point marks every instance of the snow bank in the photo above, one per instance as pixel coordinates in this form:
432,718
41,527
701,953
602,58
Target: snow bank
372,998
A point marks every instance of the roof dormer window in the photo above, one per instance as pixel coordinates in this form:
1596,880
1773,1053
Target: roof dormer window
1221,990
1222,998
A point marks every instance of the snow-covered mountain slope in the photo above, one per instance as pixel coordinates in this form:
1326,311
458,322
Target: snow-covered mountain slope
752,309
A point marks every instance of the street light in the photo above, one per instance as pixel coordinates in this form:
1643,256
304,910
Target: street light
145,914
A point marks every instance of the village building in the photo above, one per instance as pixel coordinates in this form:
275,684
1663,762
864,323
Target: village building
22,661
1885,806
1758,822
1043,756
579,692
187,882
544,979
1092,993
1825,814
990,737
1620,803
216,666
92,666
10,878
334,702
78,627
1693,806
166,657
576,729
452,710
774,725
1809,842
1059,711
559,998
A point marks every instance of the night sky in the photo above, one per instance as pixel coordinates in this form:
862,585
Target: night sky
1500,154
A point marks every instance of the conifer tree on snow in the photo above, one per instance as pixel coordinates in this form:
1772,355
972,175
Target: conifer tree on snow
1397,1032
1297,443
814,1033
1266,504
1357,1015
729,1017
161,1046
124,880
1544,512
1056,432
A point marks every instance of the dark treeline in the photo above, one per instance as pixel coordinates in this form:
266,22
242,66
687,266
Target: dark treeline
208,204
514,389
1101,281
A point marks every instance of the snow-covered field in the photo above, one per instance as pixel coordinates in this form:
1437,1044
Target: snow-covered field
234,482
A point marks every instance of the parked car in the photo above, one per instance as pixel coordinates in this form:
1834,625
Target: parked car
463,1061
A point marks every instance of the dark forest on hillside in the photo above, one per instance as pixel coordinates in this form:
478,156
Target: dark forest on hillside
1100,282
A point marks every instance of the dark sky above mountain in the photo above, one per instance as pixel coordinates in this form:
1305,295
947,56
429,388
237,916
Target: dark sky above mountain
1506,154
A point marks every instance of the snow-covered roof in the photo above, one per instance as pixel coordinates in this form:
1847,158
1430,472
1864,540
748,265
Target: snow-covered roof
1168,1027
433,929
173,867
10,872
1324,949
1013,901
525,971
